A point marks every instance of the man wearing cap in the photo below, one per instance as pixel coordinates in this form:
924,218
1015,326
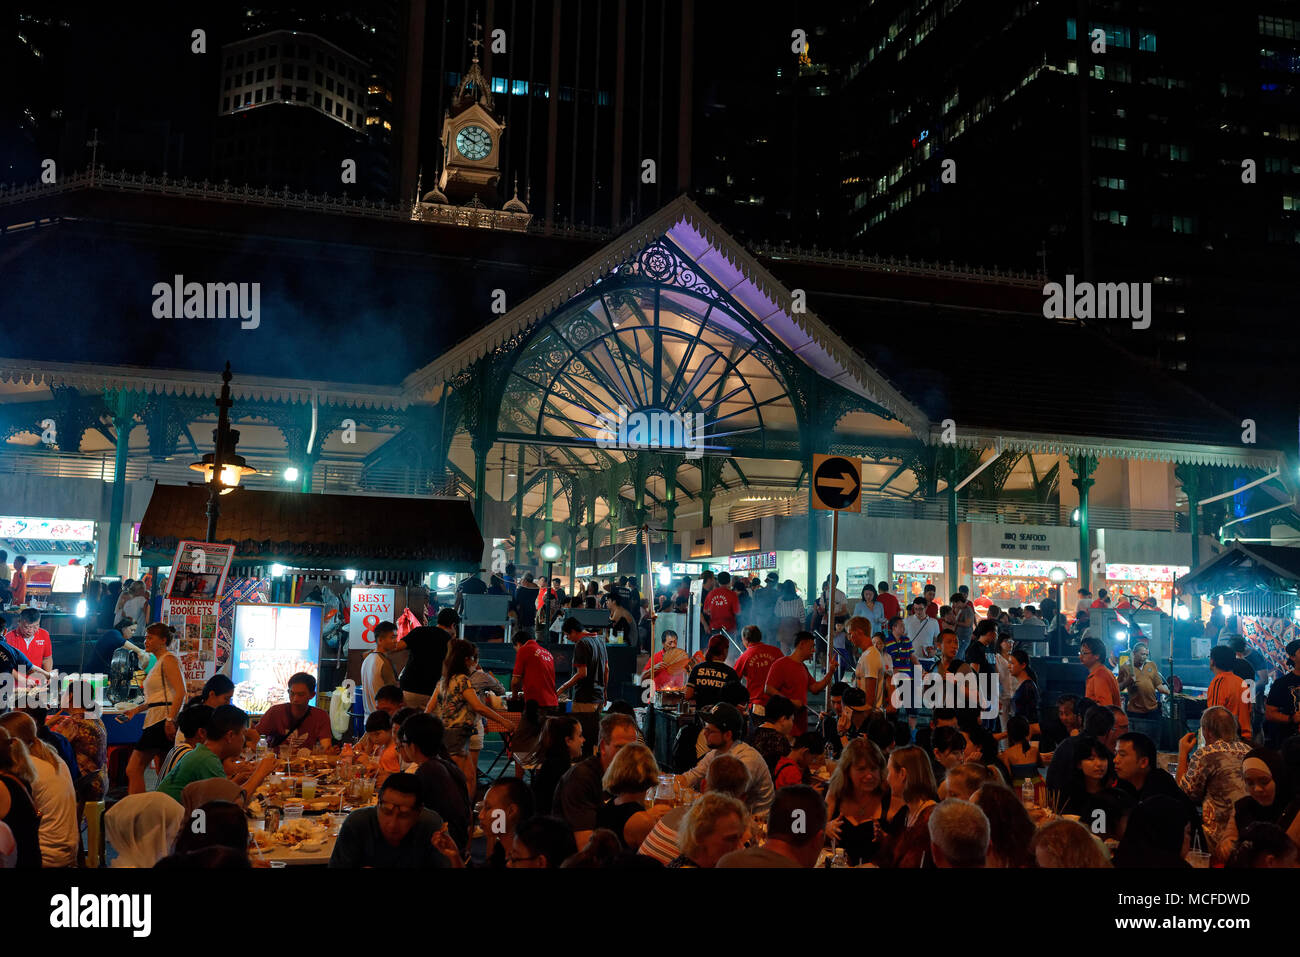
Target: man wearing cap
723,726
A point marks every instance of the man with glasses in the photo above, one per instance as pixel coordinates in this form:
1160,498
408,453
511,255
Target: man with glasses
398,832
1102,686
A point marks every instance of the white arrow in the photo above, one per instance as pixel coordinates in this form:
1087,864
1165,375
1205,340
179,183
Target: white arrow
846,483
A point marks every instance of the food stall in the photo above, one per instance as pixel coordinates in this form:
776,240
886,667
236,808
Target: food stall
1021,581
913,572
294,550
1144,584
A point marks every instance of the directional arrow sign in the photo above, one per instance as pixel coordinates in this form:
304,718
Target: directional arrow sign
837,483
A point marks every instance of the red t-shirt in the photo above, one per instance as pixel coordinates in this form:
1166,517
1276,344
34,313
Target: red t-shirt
722,606
790,679
18,585
752,666
1098,603
932,610
535,664
38,649
890,605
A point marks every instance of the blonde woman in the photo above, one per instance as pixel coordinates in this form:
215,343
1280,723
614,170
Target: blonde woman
629,776
164,696
55,797
17,809
715,825
857,801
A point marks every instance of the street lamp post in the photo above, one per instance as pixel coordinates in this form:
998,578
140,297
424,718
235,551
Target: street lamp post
222,468
551,553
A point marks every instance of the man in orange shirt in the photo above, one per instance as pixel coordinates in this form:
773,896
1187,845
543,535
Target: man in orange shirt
1101,686
1227,690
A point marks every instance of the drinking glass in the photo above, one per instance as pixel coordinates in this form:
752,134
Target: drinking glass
308,788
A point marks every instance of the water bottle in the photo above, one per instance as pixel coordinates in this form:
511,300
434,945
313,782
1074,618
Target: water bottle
1027,793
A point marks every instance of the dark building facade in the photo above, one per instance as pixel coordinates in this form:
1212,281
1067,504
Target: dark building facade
1122,164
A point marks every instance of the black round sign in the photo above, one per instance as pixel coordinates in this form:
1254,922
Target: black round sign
836,483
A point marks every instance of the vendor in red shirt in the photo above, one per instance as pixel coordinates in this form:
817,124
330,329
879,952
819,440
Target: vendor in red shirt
1103,601
295,722
753,666
789,677
1101,687
18,581
670,664
29,638
1123,602
721,605
534,672
888,603
931,606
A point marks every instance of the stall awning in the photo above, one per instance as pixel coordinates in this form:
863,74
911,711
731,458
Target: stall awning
318,531
1246,568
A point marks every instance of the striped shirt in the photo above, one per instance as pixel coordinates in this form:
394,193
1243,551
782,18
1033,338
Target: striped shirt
663,842
174,755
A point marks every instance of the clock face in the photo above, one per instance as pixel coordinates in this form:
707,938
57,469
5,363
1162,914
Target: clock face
473,142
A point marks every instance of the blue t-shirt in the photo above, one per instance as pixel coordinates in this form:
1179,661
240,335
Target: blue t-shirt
11,658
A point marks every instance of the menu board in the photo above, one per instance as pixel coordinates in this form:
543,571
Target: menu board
47,529
1145,573
1024,567
752,561
270,644
924,564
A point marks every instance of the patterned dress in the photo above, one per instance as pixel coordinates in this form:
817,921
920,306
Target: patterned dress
89,742
1214,778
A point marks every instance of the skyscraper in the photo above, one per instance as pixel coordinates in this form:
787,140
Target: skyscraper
1150,146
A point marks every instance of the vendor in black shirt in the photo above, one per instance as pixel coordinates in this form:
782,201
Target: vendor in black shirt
707,680
427,647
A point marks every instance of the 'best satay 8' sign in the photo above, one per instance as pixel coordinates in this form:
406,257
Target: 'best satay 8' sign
370,606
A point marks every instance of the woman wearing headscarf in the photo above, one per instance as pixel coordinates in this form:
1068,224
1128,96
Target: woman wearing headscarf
142,828
1269,798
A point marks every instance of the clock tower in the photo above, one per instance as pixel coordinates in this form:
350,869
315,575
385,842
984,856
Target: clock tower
466,191
471,141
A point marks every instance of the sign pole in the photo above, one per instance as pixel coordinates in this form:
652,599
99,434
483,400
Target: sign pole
830,603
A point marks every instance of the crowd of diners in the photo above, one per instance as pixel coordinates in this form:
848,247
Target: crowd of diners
766,778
